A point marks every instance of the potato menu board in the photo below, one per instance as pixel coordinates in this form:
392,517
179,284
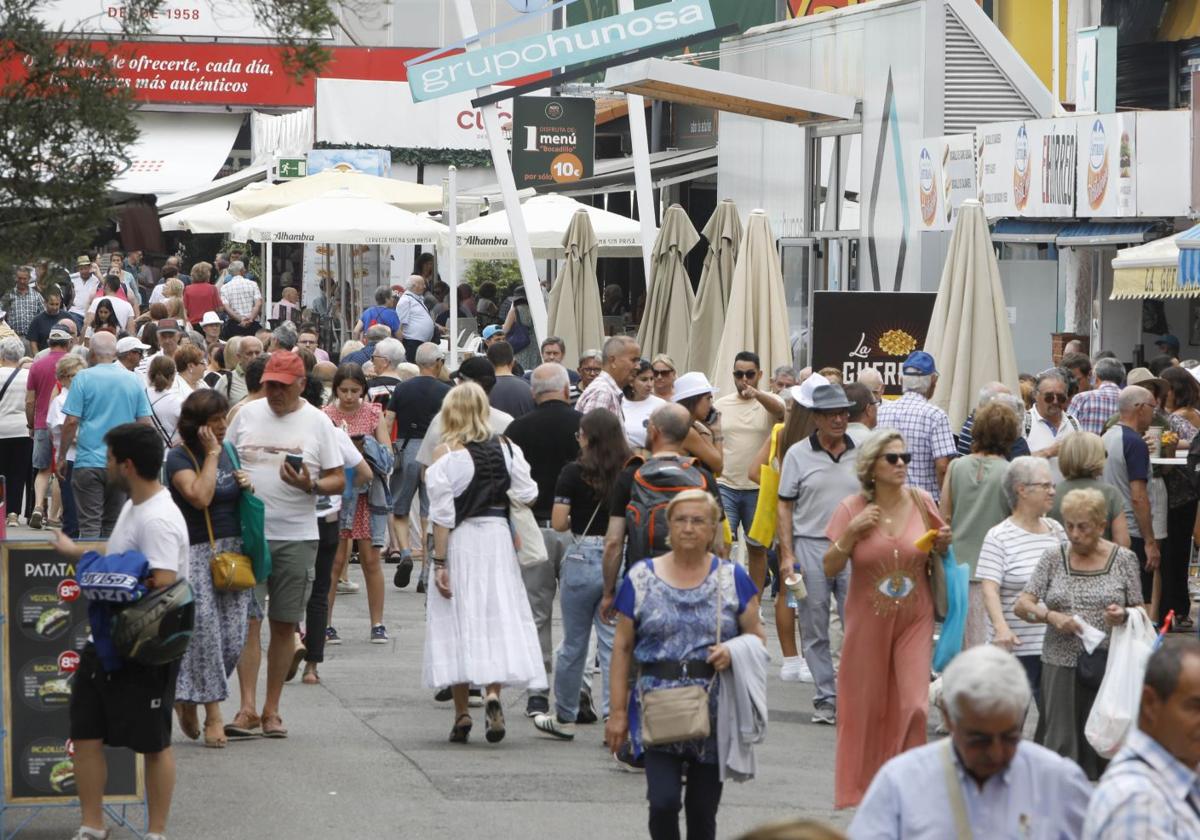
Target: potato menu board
45,628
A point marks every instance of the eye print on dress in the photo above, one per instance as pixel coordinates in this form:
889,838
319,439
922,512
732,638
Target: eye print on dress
892,588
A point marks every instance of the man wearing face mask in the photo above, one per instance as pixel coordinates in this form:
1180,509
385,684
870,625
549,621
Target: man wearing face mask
984,780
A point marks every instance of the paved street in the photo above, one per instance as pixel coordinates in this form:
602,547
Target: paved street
368,758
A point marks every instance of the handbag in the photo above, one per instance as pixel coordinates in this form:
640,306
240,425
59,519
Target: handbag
671,715
521,522
231,571
935,568
252,513
762,529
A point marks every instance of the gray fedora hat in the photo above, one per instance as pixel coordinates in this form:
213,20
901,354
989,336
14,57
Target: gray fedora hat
830,398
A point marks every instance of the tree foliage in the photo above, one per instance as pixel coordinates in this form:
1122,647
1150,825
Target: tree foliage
67,122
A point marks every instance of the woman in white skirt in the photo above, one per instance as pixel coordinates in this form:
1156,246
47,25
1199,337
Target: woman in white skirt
479,628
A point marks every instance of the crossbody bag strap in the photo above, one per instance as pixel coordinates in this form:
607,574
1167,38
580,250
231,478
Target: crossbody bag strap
212,542
7,382
958,805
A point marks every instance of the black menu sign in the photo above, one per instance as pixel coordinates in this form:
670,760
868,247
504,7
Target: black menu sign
45,627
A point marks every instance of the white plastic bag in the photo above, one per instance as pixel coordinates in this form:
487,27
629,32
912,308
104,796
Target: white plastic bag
1120,693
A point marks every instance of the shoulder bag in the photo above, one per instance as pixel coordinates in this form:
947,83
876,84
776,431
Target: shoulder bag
934,568
231,572
762,529
532,548
252,513
671,715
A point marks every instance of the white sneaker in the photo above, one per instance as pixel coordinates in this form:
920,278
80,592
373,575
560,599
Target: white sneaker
347,587
85,833
795,669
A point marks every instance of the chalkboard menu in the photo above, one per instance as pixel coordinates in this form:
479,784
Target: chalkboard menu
45,628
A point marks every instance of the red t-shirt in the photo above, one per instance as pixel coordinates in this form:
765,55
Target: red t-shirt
199,298
42,382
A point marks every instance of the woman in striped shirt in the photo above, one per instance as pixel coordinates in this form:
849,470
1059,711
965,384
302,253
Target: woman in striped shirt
1010,553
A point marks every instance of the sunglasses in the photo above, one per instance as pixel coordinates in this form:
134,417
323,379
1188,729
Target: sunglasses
894,458
589,370
744,374
1055,398
660,373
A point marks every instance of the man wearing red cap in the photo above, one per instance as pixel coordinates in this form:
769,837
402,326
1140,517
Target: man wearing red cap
270,436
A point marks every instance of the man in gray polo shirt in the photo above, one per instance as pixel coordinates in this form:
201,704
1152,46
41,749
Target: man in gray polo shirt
817,474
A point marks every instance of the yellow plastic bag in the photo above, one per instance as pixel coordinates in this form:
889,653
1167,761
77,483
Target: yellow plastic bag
762,530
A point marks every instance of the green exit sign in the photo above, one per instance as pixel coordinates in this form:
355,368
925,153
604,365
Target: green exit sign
291,168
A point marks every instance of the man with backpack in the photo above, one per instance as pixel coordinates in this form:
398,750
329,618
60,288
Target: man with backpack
383,312
637,513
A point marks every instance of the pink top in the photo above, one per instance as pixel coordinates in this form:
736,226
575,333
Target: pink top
43,383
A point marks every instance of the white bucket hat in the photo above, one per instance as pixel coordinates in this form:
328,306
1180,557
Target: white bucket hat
692,384
803,393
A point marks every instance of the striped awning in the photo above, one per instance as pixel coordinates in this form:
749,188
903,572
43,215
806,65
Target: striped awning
1150,272
1101,234
1026,231
1189,257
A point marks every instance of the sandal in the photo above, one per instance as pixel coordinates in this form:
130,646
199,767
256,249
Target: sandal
272,727
311,677
218,741
493,720
297,658
462,729
189,722
245,725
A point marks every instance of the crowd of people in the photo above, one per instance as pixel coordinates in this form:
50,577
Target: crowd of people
658,513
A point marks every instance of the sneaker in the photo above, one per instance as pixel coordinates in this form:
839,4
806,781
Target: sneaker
85,833
35,521
347,587
420,587
332,637
403,571
587,712
626,760
354,559
153,836
551,725
445,695
537,704
795,669
825,715
379,635
475,698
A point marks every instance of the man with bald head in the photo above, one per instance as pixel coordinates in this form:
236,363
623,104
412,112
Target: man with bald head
102,397
1127,468
873,379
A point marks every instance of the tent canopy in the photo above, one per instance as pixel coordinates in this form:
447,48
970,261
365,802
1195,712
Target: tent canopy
415,198
1150,272
341,217
210,216
547,218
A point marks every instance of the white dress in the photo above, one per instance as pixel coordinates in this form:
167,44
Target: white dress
484,632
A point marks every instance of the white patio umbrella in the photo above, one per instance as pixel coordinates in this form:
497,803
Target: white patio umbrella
757,315
575,312
724,235
667,321
416,198
341,217
210,216
969,336
547,218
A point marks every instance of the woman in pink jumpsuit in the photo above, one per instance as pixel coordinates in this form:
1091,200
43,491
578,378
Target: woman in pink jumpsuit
883,681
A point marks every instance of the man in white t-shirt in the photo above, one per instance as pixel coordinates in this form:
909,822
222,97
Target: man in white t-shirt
130,707
290,452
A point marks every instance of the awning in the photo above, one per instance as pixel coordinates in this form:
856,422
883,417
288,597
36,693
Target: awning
1026,231
214,189
673,81
177,152
1149,272
666,168
1180,21
1105,233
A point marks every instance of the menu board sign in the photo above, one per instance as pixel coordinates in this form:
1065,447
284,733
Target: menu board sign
45,628
553,139
856,330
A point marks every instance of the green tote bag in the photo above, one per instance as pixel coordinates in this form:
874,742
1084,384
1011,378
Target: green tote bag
253,515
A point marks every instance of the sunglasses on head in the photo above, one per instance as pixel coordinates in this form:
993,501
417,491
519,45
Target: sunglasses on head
894,458
744,374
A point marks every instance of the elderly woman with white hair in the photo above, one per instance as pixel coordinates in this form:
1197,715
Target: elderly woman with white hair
1089,583
1008,556
16,443
1015,788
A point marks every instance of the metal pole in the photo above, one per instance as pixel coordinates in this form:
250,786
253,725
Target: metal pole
508,188
452,260
641,167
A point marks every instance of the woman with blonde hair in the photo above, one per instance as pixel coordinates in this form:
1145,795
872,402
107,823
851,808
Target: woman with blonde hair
1081,460
479,627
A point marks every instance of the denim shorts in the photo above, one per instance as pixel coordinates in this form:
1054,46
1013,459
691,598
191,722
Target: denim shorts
379,529
739,510
43,455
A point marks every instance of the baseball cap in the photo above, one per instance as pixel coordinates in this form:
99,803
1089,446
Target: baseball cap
83,260
284,366
59,335
1170,341
492,330
919,363
210,318
692,384
167,325
129,343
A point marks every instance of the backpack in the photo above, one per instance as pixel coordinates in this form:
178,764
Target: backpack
655,484
518,336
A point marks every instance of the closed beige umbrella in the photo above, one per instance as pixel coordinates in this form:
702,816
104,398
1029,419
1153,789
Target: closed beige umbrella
667,322
969,336
575,314
724,235
756,318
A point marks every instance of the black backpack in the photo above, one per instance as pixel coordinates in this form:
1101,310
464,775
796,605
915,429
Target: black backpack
655,483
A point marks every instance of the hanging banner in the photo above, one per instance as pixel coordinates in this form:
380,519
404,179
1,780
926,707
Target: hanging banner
945,179
45,628
856,330
553,139
1106,182
559,48
1052,157
1027,168
998,176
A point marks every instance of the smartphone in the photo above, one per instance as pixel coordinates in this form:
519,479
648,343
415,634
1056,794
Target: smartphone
296,462
712,417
